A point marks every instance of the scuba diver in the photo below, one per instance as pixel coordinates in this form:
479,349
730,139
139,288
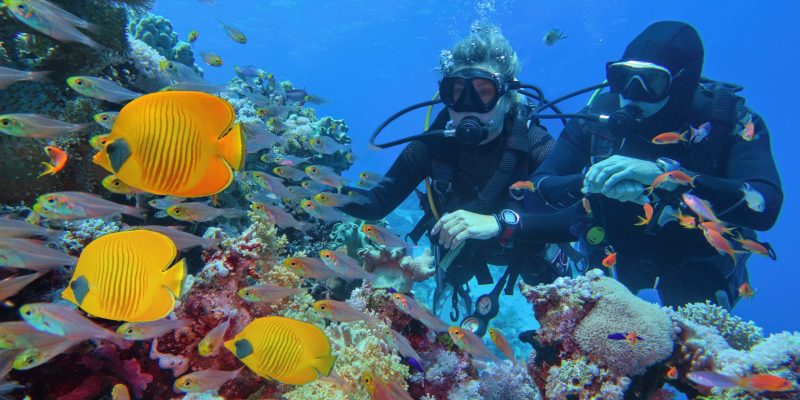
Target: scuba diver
477,148
661,117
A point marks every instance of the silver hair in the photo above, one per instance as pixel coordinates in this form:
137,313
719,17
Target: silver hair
484,47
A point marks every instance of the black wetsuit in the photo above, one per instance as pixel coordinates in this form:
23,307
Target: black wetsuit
690,270
472,166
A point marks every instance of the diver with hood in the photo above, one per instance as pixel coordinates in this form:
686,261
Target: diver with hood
479,146
661,117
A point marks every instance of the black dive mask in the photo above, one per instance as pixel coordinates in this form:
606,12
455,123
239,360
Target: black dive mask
473,90
639,81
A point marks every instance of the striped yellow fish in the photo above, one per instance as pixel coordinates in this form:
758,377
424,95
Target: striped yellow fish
124,276
284,349
182,144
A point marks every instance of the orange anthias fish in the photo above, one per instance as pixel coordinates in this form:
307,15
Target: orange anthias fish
630,337
523,185
58,159
755,247
676,176
379,389
718,242
502,343
670,138
748,133
648,215
610,260
746,291
766,383
184,144
672,373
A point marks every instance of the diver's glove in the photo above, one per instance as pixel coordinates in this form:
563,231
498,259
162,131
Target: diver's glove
456,227
604,175
624,191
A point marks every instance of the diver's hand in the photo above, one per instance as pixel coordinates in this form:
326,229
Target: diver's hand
607,173
458,226
626,190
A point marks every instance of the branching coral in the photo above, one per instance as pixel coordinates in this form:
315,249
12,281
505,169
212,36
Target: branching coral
740,334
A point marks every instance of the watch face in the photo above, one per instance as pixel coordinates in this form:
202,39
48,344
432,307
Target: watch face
509,217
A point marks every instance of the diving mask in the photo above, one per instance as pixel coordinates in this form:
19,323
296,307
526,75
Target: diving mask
473,90
639,81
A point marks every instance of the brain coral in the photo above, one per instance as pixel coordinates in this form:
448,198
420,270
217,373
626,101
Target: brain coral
618,310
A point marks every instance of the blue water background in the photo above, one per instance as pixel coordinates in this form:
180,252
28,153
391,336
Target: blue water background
372,58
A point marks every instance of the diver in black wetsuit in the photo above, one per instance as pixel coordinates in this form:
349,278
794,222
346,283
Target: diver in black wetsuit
492,147
655,88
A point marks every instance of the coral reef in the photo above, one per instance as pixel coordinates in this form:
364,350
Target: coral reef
157,32
740,334
394,269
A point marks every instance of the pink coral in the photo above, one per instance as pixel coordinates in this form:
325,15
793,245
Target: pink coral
618,310
394,269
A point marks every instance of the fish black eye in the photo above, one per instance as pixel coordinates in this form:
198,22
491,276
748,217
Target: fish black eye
247,293
79,81
29,360
28,312
6,122
51,201
129,331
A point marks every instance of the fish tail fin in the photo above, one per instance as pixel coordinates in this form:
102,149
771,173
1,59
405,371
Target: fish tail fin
38,76
232,147
49,169
650,190
136,212
684,137
174,276
642,221
324,364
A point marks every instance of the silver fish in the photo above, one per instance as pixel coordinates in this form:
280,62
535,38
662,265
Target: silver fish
179,72
9,76
102,89
37,126
21,229
184,240
33,255
52,21
11,286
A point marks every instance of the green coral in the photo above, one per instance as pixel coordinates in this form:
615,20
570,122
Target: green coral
740,334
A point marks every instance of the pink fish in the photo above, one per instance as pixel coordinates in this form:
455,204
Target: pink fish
345,266
152,329
79,205
700,207
9,76
205,380
502,343
400,342
700,133
266,292
289,172
184,240
341,312
20,335
379,389
383,236
326,145
309,267
472,344
65,321
33,255
325,175
21,229
212,342
12,285
279,217
718,242
323,213
419,312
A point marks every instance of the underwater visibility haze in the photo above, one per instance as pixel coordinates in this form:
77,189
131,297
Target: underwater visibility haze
191,205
